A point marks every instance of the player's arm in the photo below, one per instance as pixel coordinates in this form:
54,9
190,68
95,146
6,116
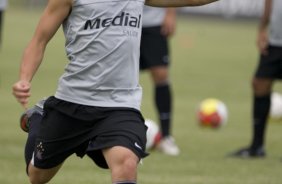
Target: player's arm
169,23
262,40
53,16
177,3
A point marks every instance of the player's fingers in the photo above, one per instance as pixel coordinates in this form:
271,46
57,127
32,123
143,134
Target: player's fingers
23,102
261,47
22,98
167,30
21,94
264,49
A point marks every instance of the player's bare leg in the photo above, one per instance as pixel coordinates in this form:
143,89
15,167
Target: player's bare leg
122,163
262,86
41,176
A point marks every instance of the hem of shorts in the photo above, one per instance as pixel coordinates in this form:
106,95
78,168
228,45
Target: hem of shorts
154,65
139,155
49,166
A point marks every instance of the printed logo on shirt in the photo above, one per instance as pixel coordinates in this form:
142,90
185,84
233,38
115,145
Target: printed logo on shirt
124,19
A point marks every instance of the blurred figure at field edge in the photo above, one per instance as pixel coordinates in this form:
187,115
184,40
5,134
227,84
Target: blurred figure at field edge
158,26
3,6
269,69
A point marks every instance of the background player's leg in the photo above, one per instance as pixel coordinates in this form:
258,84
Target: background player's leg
163,101
163,98
261,106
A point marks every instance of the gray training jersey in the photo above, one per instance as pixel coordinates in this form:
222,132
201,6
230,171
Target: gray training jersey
102,45
275,29
3,4
153,16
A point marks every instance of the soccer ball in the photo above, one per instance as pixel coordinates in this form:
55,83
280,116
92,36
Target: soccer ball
212,113
153,134
276,106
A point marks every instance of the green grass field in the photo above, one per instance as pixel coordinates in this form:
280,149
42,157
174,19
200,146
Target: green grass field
211,58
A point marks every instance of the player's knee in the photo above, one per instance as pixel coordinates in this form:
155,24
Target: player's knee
128,163
39,176
261,87
38,179
126,166
255,83
160,75
161,79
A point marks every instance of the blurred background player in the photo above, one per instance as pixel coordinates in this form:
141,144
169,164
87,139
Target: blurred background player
158,25
3,6
269,68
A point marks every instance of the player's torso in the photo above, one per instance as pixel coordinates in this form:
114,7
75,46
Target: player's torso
3,4
102,44
153,16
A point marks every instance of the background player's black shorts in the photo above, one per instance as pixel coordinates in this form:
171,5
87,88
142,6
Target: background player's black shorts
154,49
270,65
68,128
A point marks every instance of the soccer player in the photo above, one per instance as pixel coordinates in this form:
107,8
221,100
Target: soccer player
158,25
98,98
3,5
269,69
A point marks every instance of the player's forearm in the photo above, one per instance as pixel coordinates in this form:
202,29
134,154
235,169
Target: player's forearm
31,61
266,16
177,3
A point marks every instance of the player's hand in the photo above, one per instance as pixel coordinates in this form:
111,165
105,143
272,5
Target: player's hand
262,42
21,90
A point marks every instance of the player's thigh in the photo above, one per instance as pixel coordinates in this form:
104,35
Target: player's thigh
122,161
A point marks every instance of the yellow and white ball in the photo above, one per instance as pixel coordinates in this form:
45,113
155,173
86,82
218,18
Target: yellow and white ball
212,113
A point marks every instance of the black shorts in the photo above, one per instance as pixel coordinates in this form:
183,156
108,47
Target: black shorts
270,65
154,49
68,128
